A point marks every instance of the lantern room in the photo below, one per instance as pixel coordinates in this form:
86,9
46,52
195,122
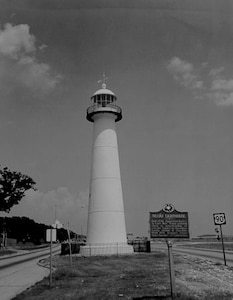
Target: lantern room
104,101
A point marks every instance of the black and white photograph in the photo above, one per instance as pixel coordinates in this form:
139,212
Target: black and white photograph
116,152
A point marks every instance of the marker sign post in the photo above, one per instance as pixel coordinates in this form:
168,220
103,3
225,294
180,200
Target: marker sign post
220,219
169,223
51,236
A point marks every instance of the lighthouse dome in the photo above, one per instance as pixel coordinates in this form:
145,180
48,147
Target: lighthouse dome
104,91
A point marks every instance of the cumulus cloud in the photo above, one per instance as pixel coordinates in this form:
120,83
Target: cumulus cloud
36,75
19,66
222,84
42,207
222,91
16,40
221,98
184,73
215,86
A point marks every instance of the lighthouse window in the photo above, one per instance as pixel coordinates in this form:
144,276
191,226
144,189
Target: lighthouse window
109,99
104,100
98,99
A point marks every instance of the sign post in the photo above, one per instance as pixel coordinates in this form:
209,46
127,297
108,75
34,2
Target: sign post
169,223
220,219
171,269
70,250
51,236
51,242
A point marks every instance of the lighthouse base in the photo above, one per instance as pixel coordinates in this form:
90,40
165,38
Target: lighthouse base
106,249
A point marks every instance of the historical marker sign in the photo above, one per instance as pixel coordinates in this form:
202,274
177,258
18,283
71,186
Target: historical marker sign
169,223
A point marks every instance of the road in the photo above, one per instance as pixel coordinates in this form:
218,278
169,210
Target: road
18,272
215,255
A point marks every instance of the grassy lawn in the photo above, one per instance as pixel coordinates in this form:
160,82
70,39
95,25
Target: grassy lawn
139,276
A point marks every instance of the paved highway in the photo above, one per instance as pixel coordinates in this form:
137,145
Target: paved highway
18,272
214,255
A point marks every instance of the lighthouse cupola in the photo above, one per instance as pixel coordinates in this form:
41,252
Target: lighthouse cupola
104,101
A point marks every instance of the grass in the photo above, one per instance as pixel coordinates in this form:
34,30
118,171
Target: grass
6,252
15,249
214,246
32,247
140,276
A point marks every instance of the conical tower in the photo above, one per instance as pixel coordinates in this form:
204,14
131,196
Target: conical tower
106,231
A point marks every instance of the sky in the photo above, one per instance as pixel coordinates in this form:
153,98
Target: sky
169,63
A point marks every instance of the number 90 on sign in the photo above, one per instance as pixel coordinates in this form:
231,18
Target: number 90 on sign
219,219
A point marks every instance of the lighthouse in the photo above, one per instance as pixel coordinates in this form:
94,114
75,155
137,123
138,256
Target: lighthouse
106,230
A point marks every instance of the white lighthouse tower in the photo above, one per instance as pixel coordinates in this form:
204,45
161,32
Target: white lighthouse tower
106,231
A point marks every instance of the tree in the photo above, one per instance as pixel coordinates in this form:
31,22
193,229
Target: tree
13,186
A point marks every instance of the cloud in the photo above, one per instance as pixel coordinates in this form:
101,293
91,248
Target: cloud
19,68
222,97
16,40
43,47
216,71
214,86
222,84
184,73
42,207
225,100
36,75
222,90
